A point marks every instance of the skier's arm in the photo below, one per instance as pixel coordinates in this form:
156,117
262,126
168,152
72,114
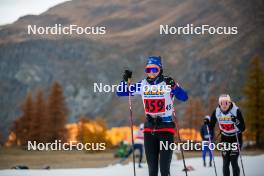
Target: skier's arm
122,89
239,121
179,93
176,89
202,133
212,121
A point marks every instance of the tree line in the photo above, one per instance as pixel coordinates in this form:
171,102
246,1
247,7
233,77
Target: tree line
43,119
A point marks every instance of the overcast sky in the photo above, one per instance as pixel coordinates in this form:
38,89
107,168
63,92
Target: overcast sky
11,10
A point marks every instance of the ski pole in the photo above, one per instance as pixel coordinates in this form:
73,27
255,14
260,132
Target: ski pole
210,141
239,149
131,125
239,152
178,133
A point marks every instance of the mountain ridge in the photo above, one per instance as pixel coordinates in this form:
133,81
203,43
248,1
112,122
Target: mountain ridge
203,64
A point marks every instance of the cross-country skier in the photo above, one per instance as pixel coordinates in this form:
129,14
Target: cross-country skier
138,145
206,137
231,124
122,149
158,105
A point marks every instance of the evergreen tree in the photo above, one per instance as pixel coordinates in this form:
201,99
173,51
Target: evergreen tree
40,123
254,101
57,113
23,126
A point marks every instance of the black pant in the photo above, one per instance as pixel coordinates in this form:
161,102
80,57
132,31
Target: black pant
155,155
136,147
231,156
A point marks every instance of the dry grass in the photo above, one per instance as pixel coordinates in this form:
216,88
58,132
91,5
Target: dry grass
54,159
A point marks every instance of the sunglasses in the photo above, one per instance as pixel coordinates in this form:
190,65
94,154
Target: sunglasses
152,69
224,103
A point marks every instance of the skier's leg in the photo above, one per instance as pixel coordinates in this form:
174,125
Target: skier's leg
204,155
165,155
129,152
210,154
140,147
234,162
226,163
152,152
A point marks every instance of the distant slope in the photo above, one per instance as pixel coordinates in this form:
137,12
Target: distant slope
204,64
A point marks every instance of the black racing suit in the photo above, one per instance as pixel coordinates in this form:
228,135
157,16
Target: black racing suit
230,156
155,155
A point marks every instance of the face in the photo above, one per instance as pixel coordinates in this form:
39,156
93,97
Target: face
152,70
224,105
206,120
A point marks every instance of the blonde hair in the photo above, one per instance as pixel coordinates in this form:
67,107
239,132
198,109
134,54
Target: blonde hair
224,97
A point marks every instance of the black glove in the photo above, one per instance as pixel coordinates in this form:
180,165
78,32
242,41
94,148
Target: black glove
234,119
127,75
153,121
